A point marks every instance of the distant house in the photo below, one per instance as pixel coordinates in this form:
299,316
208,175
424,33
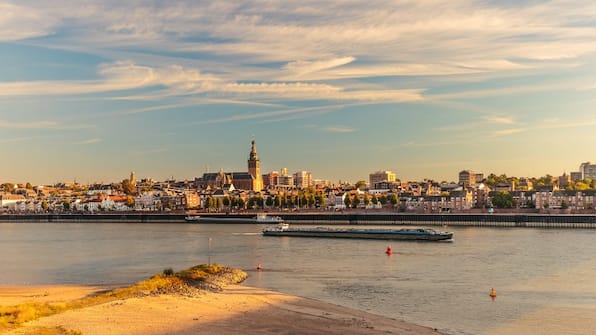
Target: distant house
336,200
10,200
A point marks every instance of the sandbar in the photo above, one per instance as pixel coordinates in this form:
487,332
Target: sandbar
238,309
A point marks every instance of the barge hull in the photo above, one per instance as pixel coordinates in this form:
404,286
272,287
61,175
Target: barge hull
362,235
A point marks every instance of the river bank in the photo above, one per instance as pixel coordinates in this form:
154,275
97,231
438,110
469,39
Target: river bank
236,310
530,220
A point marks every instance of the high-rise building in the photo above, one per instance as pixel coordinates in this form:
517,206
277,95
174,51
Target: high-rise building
588,170
576,176
470,178
380,176
270,179
303,179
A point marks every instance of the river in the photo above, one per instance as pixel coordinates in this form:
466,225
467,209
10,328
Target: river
544,278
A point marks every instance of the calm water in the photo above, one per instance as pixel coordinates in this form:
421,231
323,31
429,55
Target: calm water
441,285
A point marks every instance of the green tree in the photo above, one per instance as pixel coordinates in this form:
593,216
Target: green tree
130,201
277,201
210,202
383,200
255,202
492,179
241,203
260,202
394,200
366,199
374,199
226,201
347,200
128,187
304,201
45,206
355,201
319,200
503,200
564,204
66,204
218,202
581,186
8,187
269,201
311,200
360,184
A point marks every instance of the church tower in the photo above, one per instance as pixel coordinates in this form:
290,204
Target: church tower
254,168
133,179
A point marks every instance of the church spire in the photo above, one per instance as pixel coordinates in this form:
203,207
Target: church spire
254,168
253,152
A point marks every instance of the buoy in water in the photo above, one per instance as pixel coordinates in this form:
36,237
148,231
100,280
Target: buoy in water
493,293
389,251
260,267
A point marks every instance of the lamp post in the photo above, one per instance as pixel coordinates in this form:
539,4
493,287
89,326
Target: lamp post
209,252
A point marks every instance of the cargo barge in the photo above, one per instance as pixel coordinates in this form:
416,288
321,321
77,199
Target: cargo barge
406,234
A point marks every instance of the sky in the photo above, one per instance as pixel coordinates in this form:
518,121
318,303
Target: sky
91,90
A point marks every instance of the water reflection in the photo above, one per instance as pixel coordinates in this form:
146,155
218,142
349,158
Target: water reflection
442,285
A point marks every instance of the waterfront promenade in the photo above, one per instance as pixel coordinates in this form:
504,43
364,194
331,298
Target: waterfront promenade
586,221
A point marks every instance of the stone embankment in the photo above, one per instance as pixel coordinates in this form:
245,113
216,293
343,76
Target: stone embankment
343,218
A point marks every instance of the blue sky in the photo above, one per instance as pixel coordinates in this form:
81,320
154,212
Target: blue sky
91,91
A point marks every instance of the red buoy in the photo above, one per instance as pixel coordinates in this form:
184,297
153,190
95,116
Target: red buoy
260,267
389,251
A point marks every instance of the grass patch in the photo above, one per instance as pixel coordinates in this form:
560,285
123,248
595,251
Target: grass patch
54,331
188,282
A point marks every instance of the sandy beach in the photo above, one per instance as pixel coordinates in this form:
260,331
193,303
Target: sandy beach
237,310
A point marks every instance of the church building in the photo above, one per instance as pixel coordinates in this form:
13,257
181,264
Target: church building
251,180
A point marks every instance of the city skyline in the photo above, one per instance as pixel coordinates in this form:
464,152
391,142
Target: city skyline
339,89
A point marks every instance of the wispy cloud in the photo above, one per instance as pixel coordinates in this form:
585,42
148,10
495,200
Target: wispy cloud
338,129
28,125
300,68
461,36
567,124
183,81
89,141
500,119
42,125
509,131
16,139
479,124
18,22
293,113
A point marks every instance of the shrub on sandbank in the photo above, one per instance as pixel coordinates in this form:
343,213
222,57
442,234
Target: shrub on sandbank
189,282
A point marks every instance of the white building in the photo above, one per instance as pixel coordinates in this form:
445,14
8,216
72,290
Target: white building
10,200
587,170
